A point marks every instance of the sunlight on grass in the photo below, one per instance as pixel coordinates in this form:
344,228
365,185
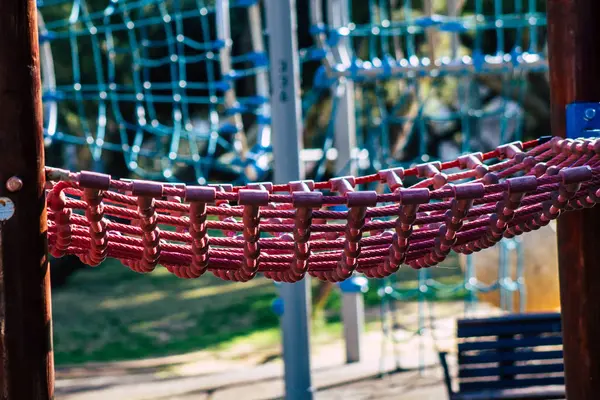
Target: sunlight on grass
229,288
110,313
161,271
145,298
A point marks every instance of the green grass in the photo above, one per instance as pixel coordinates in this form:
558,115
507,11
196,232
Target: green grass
110,313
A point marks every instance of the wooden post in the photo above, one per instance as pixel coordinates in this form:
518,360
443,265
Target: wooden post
26,359
574,49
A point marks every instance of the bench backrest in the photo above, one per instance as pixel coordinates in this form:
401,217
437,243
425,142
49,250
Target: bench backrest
515,351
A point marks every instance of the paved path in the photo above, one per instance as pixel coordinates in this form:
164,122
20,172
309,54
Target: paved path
204,376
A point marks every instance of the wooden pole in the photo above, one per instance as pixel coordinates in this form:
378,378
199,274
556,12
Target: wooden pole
574,49
26,359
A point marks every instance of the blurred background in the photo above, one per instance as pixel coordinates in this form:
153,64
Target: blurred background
178,91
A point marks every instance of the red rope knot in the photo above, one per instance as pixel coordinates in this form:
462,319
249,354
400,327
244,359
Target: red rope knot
510,150
572,179
97,228
223,188
199,197
570,152
304,200
392,177
251,199
540,169
491,178
583,147
557,149
529,163
94,185
464,195
234,273
280,274
566,147
591,199
146,193
410,201
277,274
505,211
595,145
57,201
357,202
431,171
473,162
268,186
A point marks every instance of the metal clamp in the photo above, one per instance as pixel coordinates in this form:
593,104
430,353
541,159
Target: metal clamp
583,120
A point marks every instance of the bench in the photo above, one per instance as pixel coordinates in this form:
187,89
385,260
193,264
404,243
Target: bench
509,357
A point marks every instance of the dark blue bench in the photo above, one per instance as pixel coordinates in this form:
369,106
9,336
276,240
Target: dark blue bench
510,357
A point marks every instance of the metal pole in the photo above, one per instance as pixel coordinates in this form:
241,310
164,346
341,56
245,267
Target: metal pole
345,119
345,144
222,15
574,59
353,316
287,144
26,359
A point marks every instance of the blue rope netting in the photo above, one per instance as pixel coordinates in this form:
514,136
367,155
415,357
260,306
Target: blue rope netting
158,82
422,71
177,90
432,80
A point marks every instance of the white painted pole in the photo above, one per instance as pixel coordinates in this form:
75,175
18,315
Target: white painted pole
345,144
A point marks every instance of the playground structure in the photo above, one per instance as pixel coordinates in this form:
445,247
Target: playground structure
22,226
128,60
399,57
436,215
153,86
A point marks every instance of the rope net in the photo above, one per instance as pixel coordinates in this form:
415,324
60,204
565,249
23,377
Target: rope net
157,82
175,91
287,231
434,79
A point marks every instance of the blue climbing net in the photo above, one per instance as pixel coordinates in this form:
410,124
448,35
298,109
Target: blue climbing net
178,90
174,87
430,80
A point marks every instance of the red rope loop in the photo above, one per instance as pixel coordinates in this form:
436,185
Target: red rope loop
288,231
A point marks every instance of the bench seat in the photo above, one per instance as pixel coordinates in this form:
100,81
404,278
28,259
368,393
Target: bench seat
509,357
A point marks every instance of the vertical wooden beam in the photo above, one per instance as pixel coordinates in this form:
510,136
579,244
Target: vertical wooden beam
574,49
26,360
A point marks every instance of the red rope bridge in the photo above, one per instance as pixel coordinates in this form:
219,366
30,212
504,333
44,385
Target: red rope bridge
287,231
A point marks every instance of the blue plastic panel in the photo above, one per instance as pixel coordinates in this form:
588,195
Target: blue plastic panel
583,120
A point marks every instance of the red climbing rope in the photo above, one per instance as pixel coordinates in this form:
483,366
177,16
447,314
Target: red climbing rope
286,231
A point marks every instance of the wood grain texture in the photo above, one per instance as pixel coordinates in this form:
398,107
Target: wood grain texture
574,50
26,360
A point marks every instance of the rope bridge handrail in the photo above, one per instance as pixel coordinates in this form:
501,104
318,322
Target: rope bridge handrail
465,205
